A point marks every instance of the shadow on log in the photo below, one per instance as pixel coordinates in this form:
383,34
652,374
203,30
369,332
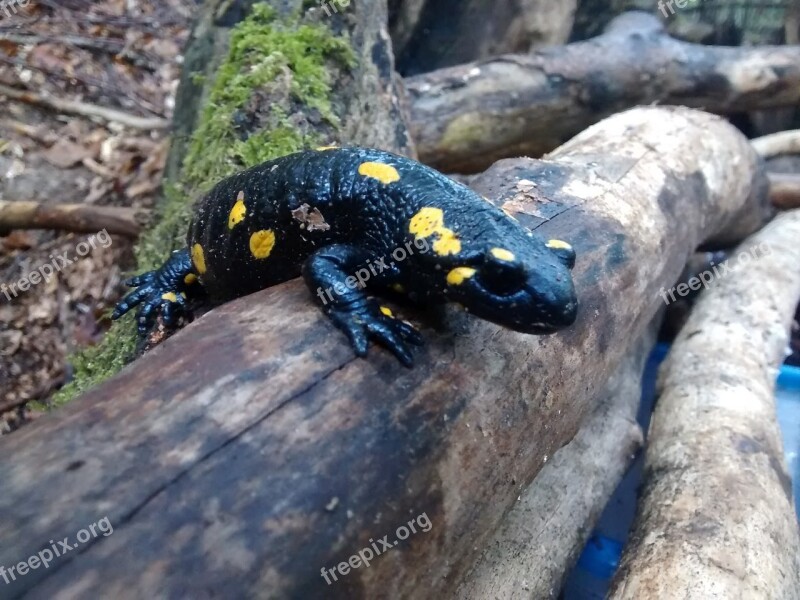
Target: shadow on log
463,118
431,34
253,450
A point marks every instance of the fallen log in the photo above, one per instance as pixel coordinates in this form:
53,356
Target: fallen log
464,118
716,517
255,452
542,536
76,218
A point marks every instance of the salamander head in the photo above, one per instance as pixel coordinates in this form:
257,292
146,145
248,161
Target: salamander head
525,286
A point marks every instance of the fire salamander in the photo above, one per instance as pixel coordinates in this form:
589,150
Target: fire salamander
352,219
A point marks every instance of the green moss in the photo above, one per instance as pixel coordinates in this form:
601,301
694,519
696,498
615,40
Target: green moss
274,66
260,54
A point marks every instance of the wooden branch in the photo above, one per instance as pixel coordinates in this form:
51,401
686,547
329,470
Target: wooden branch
257,431
776,144
40,134
76,218
111,45
465,117
541,538
717,519
784,190
84,109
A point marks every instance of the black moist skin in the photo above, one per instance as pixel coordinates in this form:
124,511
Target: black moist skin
356,219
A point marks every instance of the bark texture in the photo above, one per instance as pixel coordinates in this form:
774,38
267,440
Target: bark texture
716,519
465,117
252,449
542,536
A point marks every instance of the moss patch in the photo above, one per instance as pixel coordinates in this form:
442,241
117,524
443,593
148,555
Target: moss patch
271,96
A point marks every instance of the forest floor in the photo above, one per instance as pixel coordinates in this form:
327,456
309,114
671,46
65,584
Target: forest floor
121,54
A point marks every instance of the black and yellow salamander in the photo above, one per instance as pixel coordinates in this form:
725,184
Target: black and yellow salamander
358,219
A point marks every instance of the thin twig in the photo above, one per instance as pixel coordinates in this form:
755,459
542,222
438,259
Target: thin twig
113,46
35,133
86,80
76,107
105,44
76,218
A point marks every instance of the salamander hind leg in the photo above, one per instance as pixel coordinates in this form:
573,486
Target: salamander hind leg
162,291
328,274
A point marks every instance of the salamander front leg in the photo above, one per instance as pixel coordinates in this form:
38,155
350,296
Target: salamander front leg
161,291
329,274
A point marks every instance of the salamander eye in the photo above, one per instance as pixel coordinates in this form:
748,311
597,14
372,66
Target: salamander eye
502,272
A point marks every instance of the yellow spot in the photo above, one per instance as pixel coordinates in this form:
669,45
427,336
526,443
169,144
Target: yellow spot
261,243
503,254
430,221
426,222
324,148
448,243
190,279
558,245
458,275
397,287
384,173
238,212
169,296
199,258
386,311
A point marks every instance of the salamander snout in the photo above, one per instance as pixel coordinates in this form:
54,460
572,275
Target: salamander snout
527,292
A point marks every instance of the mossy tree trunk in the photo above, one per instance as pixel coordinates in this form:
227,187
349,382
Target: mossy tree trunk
261,80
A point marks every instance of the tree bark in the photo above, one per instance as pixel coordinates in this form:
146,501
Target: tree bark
253,449
463,118
716,519
540,539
